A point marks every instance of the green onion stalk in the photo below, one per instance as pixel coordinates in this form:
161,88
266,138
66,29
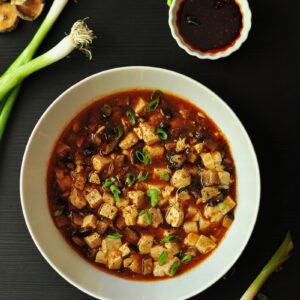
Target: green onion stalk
280,256
26,55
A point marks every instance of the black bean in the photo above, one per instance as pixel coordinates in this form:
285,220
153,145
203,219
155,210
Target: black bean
166,112
199,136
83,232
165,126
90,150
122,270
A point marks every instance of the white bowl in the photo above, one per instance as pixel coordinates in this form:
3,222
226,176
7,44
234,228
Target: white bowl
51,243
246,13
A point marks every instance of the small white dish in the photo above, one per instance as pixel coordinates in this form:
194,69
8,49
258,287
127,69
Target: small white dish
246,13
57,251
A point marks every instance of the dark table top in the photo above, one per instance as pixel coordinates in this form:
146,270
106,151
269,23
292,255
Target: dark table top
260,82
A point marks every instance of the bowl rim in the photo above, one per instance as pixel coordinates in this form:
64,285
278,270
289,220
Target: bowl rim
138,68
247,23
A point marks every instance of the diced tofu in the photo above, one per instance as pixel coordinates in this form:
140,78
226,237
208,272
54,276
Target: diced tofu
217,157
208,161
209,178
190,226
99,162
119,160
155,151
161,173
156,217
94,178
203,224
184,113
198,148
148,133
227,221
181,178
128,141
183,196
130,214
101,226
163,270
224,178
132,263
122,203
101,257
175,215
142,221
205,244
108,198
89,221
109,244
191,239
156,251
108,211
227,205
93,240
192,157
213,213
125,250
209,193
181,145
172,249
191,251
138,132
147,267
80,181
139,105
138,198
166,192
77,199
114,260
93,198
145,244
192,212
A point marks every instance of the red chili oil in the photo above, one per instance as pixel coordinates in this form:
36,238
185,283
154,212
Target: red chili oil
210,25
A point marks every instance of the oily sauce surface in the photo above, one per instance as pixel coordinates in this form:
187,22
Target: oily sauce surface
77,146
210,25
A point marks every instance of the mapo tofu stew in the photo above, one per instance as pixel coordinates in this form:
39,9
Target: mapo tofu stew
142,184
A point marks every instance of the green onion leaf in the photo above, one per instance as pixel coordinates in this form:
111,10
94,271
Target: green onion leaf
143,176
108,182
147,158
187,258
170,238
153,194
165,176
174,267
156,94
58,213
162,134
143,156
116,192
152,105
130,179
114,236
162,258
120,132
169,2
131,116
147,215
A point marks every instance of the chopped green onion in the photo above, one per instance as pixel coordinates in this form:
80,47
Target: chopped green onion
170,238
152,105
143,176
130,179
131,116
153,194
116,192
162,134
120,132
108,182
114,236
162,258
280,256
174,267
187,258
156,94
58,213
165,176
169,2
147,215
143,156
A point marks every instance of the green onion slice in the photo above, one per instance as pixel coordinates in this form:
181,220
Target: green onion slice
114,236
187,258
174,267
152,105
162,134
143,176
116,192
131,115
130,179
58,213
170,238
162,258
147,215
120,132
108,182
165,176
153,194
156,94
143,156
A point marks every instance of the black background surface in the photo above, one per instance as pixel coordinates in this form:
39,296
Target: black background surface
260,82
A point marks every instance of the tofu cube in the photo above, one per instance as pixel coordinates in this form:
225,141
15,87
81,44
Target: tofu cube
93,240
77,199
109,244
191,239
128,141
205,244
190,226
175,215
89,221
203,224
148,133
132,263
147,266
108,198
108,211
145,244
160,271
217,157
213,213
93,198
114,260
209,178
227,205
181,145
99,162
101,257
156,251
155,151
138,198
161,173
198,148
167,191
125,250
224,178
130,214
181,178
139,105
94,178
156,217
209,193
208,161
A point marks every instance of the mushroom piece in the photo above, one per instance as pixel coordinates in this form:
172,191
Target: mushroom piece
8,17
29,10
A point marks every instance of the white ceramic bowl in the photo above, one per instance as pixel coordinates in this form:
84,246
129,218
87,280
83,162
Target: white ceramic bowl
246,13
53,246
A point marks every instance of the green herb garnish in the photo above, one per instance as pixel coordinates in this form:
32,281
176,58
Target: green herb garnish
162,258
120,132
147,215
187,258
152,105
165,176
170,238
58,213
142,176
130,179
162,134
174,267
131,116
114,236
108,182
116,192
153,194
143,156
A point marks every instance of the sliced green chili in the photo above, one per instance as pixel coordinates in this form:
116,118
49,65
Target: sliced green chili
116,192
114,236
162,258
130,179
143,176
153,194
58,213
131,116
120,132
170,238
108,182
147,215
187,258
174,267
162,134
152,105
